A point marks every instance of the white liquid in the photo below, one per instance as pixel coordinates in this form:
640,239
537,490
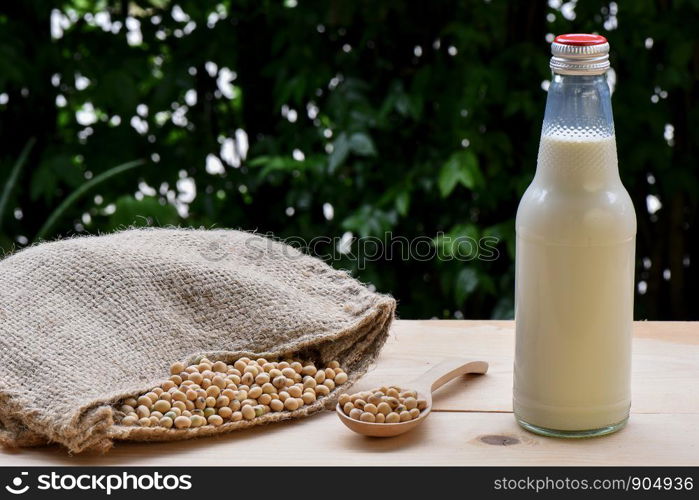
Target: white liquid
576,231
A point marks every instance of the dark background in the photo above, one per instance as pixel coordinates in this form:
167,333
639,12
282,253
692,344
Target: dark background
334,118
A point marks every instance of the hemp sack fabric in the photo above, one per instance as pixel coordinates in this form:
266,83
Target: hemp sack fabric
88,321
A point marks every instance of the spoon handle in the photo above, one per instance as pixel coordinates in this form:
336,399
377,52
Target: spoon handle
447,370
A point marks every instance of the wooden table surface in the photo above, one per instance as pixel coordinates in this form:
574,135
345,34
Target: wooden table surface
472,422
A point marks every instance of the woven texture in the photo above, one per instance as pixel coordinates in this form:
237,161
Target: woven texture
86,322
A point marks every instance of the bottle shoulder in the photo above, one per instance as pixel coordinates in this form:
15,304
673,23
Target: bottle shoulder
596,217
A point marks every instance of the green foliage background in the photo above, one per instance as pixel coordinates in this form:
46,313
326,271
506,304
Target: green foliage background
415,118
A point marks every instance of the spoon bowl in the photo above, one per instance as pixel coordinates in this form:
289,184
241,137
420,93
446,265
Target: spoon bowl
424,385
384,430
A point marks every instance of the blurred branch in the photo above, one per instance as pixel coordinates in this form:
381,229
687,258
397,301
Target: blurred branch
79,192
14,174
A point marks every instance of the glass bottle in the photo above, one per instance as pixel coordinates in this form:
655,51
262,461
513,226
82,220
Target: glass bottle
574,284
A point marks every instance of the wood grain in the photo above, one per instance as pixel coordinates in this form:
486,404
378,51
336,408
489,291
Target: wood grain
447,438
665,365
471,423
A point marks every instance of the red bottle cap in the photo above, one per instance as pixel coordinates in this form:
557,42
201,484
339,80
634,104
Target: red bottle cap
580,39
580,54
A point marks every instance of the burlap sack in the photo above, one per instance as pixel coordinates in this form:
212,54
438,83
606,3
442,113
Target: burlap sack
86,322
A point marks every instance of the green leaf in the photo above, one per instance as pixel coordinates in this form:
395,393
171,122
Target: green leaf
361,144
14,174
407,105
55,169
504,232
461,242
486,283
461,168
504,309
149,211
403,203
402,103
275,163
466,282
341,149
370,221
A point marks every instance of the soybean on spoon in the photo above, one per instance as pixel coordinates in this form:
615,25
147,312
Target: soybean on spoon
424,385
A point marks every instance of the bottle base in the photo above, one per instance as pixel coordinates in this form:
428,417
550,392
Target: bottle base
543,431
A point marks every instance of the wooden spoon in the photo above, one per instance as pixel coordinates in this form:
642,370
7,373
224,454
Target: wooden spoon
425,385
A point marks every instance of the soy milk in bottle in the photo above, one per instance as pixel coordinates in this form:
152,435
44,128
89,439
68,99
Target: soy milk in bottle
574,282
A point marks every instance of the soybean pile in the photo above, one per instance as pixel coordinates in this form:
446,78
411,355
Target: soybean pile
213,393
389,405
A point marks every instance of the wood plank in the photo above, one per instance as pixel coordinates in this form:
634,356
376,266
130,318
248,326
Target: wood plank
665,364
662,430
446,438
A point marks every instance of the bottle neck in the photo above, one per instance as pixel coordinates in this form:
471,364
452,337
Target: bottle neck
579,106
578,149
